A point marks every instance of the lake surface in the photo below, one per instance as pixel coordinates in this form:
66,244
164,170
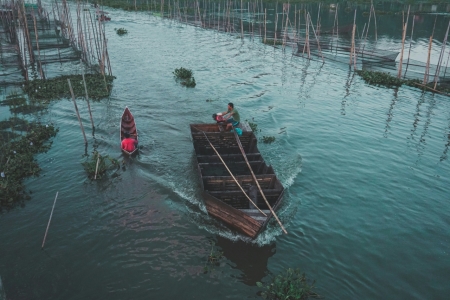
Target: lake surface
365,168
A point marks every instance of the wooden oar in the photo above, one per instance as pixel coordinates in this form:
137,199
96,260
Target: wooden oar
256,180
233,176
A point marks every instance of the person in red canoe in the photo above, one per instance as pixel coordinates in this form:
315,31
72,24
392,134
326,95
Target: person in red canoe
128,143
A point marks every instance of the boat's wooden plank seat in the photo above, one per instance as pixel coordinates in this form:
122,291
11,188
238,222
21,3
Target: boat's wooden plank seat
218,169
229,157
227,183
224,143
237,199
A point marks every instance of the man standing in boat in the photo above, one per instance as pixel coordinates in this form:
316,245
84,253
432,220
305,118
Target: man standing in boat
231,116
128,143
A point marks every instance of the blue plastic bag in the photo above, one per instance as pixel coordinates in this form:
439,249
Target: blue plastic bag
238,131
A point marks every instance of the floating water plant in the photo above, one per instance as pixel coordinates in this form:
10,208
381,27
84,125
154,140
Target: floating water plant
98,86
290,285
185,77
213,258
97,166
268,139
182,73
253,126
121,31
17,160
189,82
18,104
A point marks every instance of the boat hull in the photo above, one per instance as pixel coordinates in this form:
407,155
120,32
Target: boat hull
227,196
128,124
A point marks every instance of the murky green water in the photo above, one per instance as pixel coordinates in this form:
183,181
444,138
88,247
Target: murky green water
365,168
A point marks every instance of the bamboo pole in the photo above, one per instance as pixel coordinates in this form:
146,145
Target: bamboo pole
438,67
76,109
48,225
87,100
242,24
231,174
37,45
352,48
427,68
265,24
405,26
96,167
410,44
276,25
257,183
375,22
317,39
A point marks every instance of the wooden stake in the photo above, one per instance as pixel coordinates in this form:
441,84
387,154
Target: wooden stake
76,109
427,68
399,75
410,43
96,168
87,100
441,56
48,225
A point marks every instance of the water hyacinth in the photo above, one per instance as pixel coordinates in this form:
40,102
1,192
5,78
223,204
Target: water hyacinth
18,159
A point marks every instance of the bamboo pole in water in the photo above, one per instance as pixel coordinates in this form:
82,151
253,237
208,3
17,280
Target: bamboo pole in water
265,24
337,27
48,224
76,110
410,44
352,48
438,67
405,26
242,24
41,72
87,100
96,167
276,25
427,68
317,39
375,22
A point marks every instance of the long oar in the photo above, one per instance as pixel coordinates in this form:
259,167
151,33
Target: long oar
233,176
256,180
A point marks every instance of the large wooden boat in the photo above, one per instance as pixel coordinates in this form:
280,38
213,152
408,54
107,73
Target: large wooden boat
127,124
227,196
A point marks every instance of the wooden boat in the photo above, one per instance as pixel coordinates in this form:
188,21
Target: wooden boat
127,124
223,193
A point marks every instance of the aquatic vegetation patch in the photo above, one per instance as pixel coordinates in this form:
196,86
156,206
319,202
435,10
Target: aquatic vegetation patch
268,139
98,87
290,285
185,77
386,79
98,164
182,73
17,161
213,259
253,126
18,104
121,31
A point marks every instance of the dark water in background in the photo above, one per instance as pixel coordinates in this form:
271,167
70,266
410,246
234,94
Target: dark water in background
365,168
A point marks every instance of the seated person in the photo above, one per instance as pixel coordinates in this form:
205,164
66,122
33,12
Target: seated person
231,116
128,143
